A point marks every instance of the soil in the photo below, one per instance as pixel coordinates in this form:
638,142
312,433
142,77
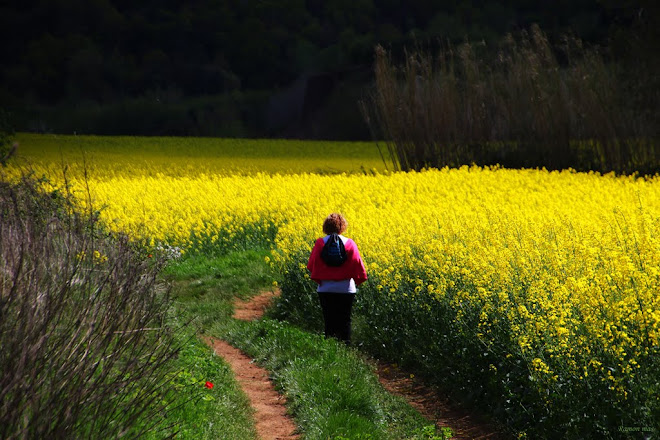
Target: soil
273,422
255,307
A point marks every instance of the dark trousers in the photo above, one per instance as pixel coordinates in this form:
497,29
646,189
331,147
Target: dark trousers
337,314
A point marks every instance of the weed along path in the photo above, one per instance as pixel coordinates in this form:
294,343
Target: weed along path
271,419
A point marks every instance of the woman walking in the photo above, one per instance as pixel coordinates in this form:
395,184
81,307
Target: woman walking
336,266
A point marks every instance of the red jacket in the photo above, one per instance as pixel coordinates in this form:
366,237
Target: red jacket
353,267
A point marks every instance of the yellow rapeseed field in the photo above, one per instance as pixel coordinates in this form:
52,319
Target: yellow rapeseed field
558,270
130,156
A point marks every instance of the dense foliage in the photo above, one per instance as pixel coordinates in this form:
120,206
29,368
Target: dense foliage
102,59
6,136
95,49
530,292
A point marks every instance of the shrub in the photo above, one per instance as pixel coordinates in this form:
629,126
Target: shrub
84,346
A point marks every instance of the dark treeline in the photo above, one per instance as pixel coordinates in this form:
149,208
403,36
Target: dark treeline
243,67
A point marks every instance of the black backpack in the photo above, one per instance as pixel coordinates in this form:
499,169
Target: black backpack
334,253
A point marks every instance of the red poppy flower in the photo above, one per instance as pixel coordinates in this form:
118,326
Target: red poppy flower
208,385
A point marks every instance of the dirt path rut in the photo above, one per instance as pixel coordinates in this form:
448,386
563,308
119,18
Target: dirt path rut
434,406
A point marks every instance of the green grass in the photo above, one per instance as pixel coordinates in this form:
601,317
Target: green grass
203,288
331,389
221,412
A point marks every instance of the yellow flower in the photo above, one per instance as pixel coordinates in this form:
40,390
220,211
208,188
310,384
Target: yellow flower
564,262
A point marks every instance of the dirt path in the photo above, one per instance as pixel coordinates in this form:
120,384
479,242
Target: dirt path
255,307
271,419
273,422
434,406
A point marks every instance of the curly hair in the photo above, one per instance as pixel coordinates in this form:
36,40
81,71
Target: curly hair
334,223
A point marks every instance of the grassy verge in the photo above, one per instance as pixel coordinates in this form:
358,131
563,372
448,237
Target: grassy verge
203,288
331,389
210,403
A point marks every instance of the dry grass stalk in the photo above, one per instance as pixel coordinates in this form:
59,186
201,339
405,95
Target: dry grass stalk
72,299
521,108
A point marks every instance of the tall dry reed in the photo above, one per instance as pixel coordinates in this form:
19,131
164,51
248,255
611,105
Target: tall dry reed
522,106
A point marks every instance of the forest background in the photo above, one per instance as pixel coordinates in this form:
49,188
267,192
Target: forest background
260,68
